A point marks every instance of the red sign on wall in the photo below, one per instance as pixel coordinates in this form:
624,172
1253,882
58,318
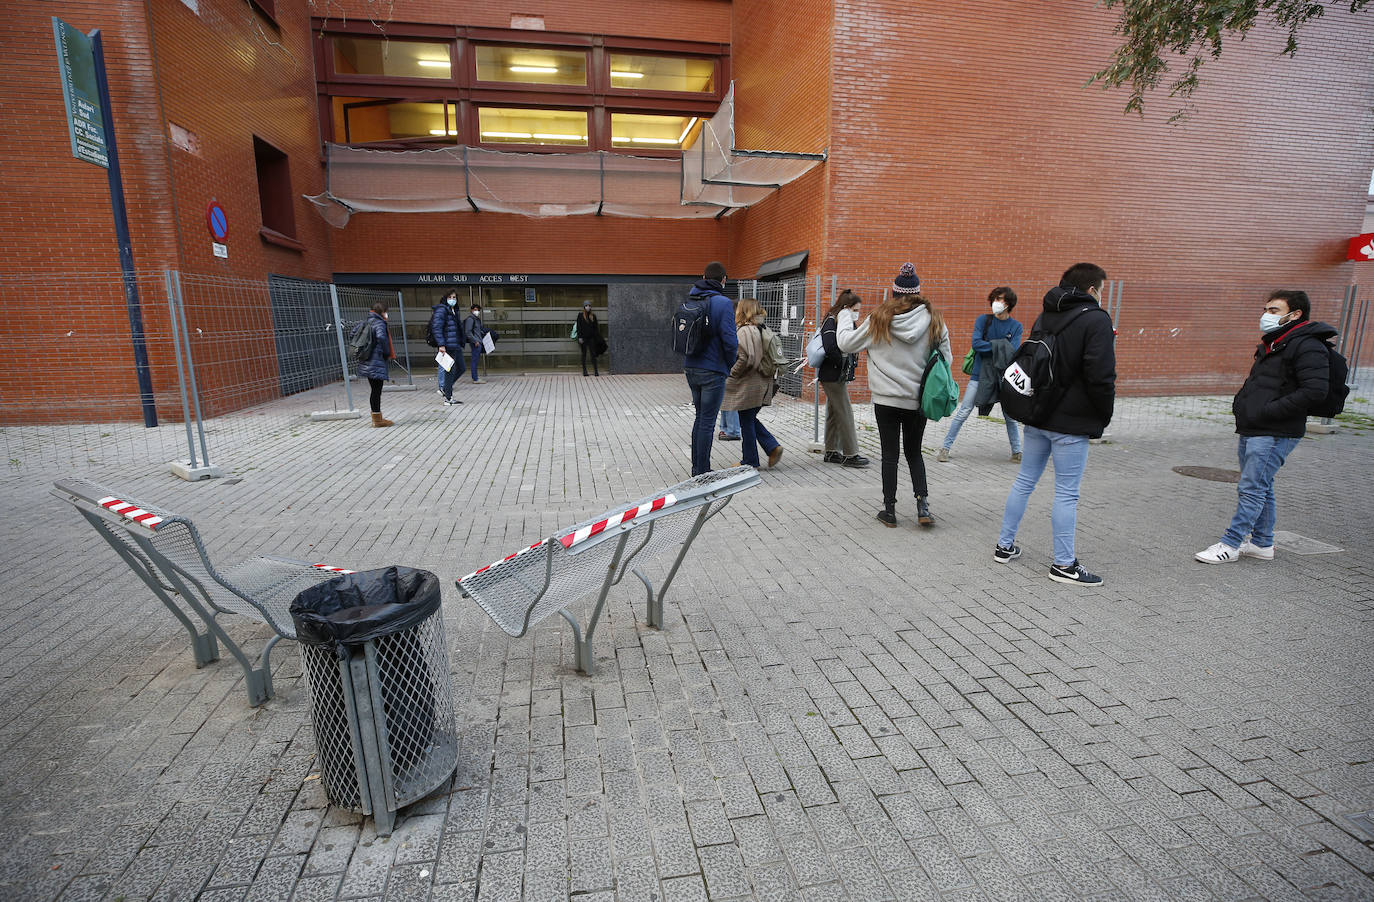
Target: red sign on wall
1361,248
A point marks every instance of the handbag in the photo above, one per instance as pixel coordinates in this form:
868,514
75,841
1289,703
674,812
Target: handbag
939,391
971,356
815,352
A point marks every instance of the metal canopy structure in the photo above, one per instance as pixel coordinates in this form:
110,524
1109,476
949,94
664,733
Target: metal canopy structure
711,179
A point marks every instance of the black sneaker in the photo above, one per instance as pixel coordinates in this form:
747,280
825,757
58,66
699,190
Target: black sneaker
887,516
1074,573
858,461
833,457
923,515
1001,554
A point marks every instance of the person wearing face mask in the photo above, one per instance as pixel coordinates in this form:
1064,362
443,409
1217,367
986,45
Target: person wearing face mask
447,325
374,369
473,333
1085,361
1291,373
588,334
996,336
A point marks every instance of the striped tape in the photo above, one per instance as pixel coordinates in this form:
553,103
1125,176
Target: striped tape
332,569
131,512
509,557
601,526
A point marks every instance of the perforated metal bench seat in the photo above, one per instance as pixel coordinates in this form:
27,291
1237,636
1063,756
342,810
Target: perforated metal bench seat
544,578
166,552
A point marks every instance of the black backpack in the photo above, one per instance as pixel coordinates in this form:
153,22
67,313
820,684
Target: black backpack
363,342
692,325
430,338
1031,387
1338,373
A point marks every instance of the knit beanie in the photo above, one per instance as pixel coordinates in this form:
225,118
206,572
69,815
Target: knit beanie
907,282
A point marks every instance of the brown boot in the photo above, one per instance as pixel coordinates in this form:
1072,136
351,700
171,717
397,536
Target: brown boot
379,421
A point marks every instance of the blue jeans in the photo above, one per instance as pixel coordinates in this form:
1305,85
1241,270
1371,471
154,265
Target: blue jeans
446,379
1260,459
753,434
965,408
708,390
729,423
476,356
1070,453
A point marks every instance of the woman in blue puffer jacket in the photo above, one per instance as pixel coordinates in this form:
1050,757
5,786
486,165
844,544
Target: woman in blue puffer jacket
374,369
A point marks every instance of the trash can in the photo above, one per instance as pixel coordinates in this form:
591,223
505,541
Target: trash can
380,694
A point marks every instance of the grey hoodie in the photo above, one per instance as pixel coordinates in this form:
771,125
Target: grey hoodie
895,368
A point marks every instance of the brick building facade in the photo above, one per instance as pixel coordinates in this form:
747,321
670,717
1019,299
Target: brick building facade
962,139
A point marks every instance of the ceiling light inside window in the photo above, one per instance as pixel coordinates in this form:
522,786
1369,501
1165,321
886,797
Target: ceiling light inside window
690,122
507,135
440,131
615,74
654,141
544,137
432,64
536,70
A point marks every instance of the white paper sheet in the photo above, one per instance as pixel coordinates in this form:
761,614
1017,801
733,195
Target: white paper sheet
487,344
444,360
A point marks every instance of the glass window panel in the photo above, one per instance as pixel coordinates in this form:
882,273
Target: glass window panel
644,132
531,65
394,59
506,125
638,72
360,120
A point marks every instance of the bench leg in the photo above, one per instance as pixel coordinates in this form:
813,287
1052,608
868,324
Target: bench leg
584,644
654,614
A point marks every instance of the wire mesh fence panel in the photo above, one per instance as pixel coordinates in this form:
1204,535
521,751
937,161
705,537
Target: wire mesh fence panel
784,303
404,326
72,395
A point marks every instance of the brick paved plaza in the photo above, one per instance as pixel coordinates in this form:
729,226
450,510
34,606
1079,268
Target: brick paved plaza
834,711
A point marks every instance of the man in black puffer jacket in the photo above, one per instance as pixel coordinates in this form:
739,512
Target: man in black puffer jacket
1086,359
1290,375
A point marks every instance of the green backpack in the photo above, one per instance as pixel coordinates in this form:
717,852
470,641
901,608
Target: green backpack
939,391
773,358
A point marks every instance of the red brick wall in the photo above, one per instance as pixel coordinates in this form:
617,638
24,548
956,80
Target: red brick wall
223,74
677,20
984,160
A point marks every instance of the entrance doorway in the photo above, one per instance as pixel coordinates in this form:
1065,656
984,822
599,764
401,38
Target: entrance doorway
532,323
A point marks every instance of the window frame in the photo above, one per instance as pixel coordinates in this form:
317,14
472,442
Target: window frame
278,198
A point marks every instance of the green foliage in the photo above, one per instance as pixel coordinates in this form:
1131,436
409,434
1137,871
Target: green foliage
1193,29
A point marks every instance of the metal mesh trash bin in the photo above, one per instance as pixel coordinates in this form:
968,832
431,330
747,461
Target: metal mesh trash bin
381,697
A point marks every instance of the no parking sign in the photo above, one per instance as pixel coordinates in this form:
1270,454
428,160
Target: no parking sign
218,222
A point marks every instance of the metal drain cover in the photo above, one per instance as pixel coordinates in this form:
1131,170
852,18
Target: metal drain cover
1211,474
1291,541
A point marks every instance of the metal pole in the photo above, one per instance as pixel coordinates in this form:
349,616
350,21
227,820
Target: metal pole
190,367
1359,335
181,370
405,341
338,331
122,238
816,385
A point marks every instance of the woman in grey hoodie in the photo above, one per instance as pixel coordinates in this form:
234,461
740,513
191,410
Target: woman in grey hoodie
899,336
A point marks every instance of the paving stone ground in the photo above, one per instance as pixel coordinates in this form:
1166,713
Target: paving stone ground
834,710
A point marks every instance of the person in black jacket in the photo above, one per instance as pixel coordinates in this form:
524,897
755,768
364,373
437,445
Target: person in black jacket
588,334
473,333
1291,373
446,322
834,374
1085,352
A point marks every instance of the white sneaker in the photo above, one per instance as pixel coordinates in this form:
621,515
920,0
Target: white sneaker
1256,552
1220,553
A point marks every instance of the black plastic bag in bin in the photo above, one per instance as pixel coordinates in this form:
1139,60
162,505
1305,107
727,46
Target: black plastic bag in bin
355,607
383,607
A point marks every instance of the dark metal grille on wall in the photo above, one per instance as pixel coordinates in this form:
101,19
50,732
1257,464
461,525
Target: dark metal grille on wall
784,302
307,349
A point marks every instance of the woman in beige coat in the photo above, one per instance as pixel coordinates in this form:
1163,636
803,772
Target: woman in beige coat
748,390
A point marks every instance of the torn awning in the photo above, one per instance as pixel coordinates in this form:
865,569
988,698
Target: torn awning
710,179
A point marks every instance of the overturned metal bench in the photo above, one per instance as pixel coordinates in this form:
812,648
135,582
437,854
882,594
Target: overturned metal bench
545,578
167,553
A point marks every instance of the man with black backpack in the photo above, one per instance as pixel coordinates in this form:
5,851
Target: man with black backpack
445,332
1296,373
1064,376
704,332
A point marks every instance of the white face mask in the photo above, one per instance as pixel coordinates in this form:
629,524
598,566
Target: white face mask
477,313
1270,321
998,308
452,302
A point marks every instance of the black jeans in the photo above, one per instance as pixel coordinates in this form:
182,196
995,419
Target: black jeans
900,430
376,398
588,351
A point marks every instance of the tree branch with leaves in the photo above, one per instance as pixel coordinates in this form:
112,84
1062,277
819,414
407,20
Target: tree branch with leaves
1193,29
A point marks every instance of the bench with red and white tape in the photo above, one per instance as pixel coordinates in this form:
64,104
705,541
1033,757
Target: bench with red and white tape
131,512
509,557
600,526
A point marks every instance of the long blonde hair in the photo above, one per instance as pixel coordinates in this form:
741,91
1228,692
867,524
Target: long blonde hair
747,311
880,321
